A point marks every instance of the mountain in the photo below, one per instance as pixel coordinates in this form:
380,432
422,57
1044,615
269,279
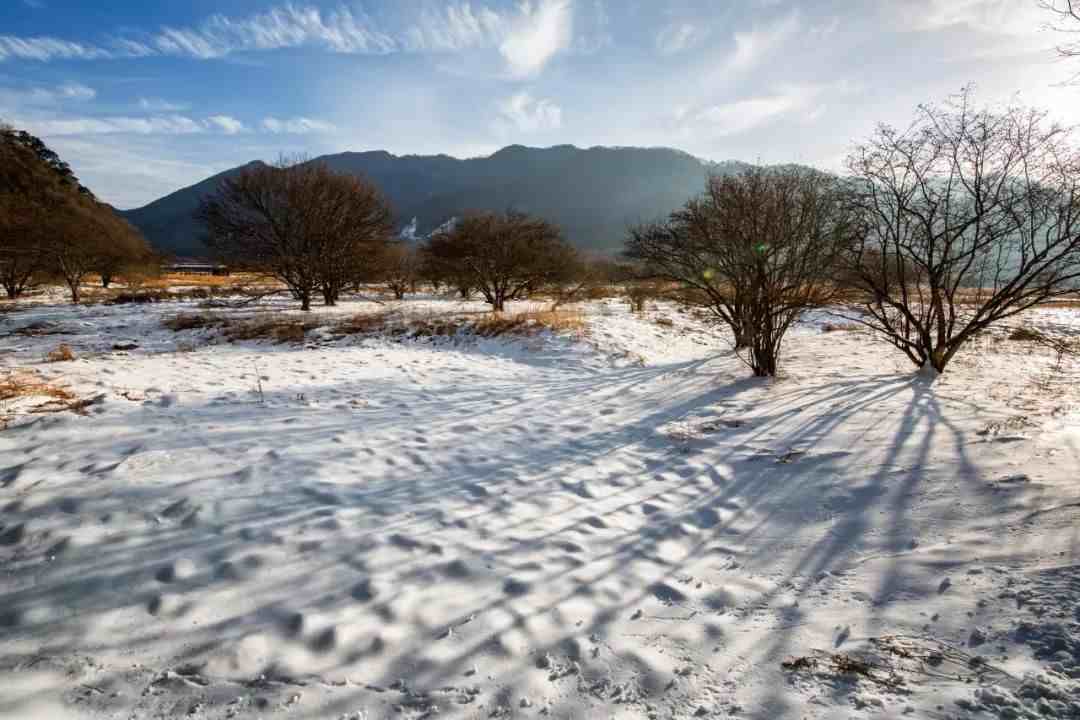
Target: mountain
593,194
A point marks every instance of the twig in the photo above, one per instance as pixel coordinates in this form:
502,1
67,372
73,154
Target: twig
258,381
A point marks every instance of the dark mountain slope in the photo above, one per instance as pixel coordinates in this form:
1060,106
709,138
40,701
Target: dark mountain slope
592,193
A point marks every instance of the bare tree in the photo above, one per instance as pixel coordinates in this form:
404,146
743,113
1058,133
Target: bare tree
504,257
313,229
399,268
1065,19
970,216
757,250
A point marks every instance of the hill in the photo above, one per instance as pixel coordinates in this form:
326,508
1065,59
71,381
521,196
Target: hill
593,194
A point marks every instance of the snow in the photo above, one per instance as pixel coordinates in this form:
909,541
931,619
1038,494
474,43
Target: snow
620,523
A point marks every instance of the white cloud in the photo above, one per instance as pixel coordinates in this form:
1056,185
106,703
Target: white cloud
47,48
457,28
746,114
296,126
228,125
525,114
541,31
53,95
527,36
164,125
285,26
753,46
679,37
175,124
162,106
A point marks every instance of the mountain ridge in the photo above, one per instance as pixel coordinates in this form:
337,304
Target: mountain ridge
592,193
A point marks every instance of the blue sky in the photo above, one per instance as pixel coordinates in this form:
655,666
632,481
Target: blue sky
144,97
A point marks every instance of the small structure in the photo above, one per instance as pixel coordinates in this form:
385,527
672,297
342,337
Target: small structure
189,266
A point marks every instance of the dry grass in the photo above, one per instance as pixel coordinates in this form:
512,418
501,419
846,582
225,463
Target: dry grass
174,280
841,327
1027,334
16,384
61,353
192,321
278,328
483,325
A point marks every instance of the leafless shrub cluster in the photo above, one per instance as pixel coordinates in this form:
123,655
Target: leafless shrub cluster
756,250
970,216
316,231
503,257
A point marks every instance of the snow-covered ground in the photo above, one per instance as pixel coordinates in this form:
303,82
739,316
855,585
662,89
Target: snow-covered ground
620,523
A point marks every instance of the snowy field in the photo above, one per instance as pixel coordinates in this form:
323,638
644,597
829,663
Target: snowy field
616,522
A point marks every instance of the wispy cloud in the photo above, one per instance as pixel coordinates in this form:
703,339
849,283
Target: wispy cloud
228,125
527,36
525,114
746,114
163,125
753,46
296,126
679,37
47,48
70,92
161,106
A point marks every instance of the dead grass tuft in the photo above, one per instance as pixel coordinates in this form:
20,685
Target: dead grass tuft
16,384
61,353
529,323
278,328
1027,334
486,325
192,321
840,327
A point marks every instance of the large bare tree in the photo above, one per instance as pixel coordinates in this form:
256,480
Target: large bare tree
315,230
970,215
757,250
503,256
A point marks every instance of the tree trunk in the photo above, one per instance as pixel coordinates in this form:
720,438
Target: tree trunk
106,280
74,287
305,299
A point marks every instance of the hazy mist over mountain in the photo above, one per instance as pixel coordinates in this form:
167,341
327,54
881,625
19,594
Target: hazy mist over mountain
593,194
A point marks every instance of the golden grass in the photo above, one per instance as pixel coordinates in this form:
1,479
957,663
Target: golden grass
16,384
480,324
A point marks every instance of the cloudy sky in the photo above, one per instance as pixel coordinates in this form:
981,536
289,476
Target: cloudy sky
143,97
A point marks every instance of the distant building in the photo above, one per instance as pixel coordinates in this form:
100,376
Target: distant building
189,266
